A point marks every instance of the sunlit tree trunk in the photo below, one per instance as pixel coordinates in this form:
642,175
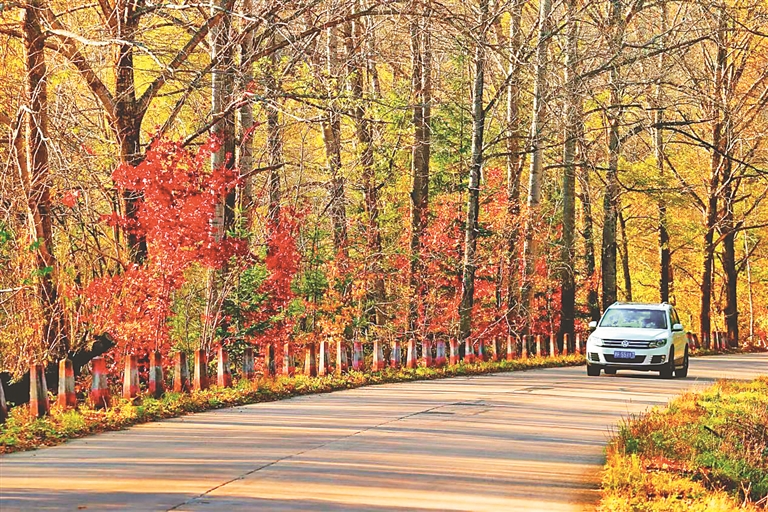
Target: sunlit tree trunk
473,193
421,94
530,245
665,255
35,177
572,119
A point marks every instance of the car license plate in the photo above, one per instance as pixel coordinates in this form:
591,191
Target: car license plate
624,354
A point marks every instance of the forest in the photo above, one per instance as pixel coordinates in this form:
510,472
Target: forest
181,175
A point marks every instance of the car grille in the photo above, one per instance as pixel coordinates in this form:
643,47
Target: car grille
632,344
611,359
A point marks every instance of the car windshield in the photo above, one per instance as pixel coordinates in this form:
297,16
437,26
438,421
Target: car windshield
636,318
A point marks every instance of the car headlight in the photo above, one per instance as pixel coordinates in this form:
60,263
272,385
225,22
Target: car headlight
659,342
597,341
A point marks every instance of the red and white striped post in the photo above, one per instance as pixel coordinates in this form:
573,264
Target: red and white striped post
358,361
511,347
248,364
156,387
3,405
322,368
38,391
99,396
200,377
538,345
378,357
578,343
469,353
310,364
341,357
566,342
440,358
180,373
66,397
288,367
552,345
410,361
496,349
426,353
454,356
480,355
395,357
223,375
524,348
131,377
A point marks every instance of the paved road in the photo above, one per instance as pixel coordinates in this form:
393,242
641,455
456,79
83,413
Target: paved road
517,441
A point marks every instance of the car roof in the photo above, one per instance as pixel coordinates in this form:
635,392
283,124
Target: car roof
640,305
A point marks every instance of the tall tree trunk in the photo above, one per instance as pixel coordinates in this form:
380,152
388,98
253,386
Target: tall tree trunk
332,141
716,170
473,193
245,114
665,255
587,229
610,198
728,231
515,159
356,68
127,117
421,91
35,178
572,118
625,257
530,245
274,140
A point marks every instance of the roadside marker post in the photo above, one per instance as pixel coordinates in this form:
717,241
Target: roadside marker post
524,348
288,368
454,346
410,361
156,387
511,347
395,357
310,366
38,391
3,405
131,377
322,368
566,342
200,381
223,375
426,353
538,345
578,343
378,357
469,355
552,345
358,363
496,349
440,358
99,396
248,363
66,398
180,373
341,357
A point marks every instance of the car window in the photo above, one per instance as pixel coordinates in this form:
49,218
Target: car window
636,318
673,315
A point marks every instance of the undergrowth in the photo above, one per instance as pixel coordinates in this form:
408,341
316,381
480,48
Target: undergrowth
704,451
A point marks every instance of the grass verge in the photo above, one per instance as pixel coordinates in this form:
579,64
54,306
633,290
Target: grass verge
22,433
705,451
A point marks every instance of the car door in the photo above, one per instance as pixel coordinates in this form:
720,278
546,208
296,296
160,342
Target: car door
679,338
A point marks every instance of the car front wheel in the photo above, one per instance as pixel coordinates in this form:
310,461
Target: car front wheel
668,371
682,373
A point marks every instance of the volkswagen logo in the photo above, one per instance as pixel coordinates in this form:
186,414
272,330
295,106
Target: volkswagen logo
625,343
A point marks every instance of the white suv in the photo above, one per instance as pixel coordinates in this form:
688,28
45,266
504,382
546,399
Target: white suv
634,336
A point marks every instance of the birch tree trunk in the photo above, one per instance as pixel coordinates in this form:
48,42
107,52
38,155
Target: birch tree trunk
665,255
530,249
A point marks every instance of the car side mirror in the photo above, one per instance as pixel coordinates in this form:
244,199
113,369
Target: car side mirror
593,325
677,327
